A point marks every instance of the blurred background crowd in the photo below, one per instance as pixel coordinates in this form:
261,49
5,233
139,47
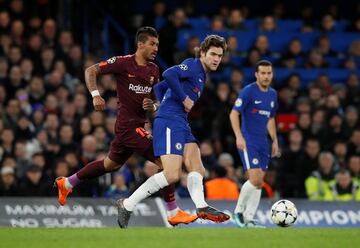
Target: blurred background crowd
48,127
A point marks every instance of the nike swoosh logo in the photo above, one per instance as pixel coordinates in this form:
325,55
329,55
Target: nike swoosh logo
131,75
257,102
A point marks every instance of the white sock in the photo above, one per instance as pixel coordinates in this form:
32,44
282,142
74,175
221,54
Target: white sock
252,205
246,191
171,213
149,187
68,184
196,189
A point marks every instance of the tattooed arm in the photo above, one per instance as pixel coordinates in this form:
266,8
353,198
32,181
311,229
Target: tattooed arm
90,79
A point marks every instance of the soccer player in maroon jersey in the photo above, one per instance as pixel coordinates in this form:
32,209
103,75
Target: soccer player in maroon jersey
135,75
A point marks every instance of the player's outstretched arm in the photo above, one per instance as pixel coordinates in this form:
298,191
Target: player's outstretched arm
90,79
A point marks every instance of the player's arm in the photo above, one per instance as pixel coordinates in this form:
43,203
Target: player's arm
91,74
159,91
235,124
172,77
271,127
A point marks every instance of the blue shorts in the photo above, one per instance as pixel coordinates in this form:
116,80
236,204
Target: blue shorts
255,156
170,136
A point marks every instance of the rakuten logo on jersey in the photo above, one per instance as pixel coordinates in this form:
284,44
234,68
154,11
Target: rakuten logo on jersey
139,89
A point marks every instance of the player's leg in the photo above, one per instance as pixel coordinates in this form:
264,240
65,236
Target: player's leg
117,156
175,215
251,190
168,143
171,174
256,180
194,165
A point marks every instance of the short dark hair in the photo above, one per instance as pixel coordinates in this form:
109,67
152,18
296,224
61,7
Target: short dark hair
143,33
263,63
212,40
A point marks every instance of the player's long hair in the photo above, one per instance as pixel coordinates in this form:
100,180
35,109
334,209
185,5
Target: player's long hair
212,40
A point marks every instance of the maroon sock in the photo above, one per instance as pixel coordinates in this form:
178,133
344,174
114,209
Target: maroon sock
92,170
168,194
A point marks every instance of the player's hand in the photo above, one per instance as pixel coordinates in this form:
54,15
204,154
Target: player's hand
241,143
99,103
188,104
275,152
148,104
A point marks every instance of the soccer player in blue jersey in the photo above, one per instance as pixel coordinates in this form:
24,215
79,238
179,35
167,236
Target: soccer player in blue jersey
173,140
256,105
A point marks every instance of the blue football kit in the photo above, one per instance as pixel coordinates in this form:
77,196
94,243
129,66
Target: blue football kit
256,108
171,127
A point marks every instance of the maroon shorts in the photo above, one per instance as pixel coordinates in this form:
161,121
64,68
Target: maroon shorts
128,141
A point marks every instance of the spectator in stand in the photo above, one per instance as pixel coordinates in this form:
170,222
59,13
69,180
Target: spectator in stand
354,144
32,185
334,131
217,24
316,61
288,179
192,43
49,33
318,183
344,189
207,155
327,23
307,163
340,153
4,22
353,89
8,184
7,139
219,187
294,57
351,119
324,47
235,20
268,24
168,34
118,189
157,18
354,168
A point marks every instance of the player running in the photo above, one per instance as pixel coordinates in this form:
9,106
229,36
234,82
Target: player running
257,105
173,140
135,75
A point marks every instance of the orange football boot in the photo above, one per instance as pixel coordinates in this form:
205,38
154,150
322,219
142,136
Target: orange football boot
63,192
182,217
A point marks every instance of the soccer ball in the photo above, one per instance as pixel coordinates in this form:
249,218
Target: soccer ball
283,213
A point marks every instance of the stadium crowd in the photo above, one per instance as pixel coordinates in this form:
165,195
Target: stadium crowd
48,127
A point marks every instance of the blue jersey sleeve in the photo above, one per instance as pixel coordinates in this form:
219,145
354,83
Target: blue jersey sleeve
177,73
160,90
242,100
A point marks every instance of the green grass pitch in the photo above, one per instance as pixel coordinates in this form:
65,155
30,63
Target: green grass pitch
178,237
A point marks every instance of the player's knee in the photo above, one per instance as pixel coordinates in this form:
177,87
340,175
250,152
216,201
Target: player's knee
257,182
201,170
